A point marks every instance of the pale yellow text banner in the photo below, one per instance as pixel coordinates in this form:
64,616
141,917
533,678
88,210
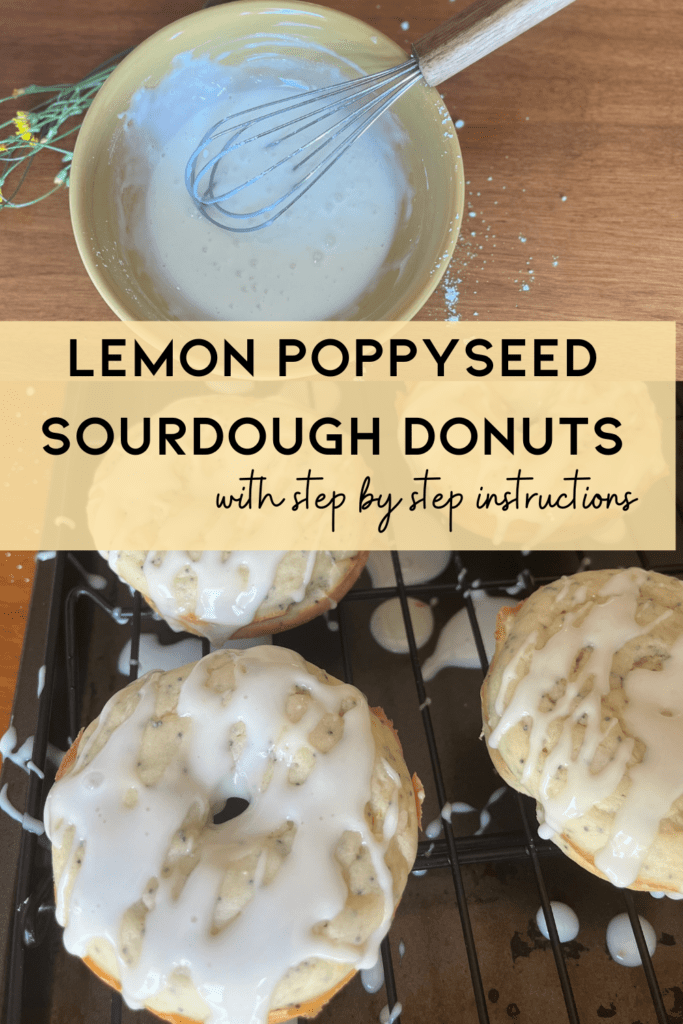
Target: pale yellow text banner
584,459
413,351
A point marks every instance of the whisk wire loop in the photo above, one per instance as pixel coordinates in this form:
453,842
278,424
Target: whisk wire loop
358,87
354,105
441,53
328,135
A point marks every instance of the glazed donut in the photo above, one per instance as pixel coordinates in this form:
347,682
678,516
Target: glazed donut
261,917
583,710
238,594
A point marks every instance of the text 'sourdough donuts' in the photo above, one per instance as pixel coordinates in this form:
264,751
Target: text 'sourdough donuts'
583,710
238,594
264,916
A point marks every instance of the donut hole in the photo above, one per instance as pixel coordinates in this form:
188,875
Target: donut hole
232,808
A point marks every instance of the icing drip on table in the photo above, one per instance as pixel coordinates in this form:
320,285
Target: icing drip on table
566,922
22,756
281,922
653,713
372,978
621,940
387,1016
434,829
456,646
8,742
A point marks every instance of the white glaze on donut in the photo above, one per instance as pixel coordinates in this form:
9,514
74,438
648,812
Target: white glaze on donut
126,842
653,713
230,586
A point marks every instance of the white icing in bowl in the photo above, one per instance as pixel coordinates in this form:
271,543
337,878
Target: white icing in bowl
413,155
315,261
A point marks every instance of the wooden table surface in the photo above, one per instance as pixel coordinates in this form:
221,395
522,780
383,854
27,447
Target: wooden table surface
572,145
17,569
573,149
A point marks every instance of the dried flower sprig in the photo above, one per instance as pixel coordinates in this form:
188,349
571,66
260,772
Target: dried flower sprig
44,128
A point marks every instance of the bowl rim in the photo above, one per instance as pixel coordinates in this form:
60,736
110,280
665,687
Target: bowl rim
89,141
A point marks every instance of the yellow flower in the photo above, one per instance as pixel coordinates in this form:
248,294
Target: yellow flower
23,127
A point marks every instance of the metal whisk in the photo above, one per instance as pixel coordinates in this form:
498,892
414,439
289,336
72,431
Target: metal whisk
316,128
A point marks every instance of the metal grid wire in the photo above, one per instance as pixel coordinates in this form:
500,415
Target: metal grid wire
64,687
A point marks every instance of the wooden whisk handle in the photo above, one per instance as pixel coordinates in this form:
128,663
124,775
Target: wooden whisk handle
476,31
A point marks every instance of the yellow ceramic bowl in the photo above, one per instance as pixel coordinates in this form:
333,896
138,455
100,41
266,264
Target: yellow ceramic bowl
229,33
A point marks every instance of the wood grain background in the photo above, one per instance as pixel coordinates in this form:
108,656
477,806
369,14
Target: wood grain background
573,149
572,141
17,569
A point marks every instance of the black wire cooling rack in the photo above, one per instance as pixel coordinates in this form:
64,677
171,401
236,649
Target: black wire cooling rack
78,601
